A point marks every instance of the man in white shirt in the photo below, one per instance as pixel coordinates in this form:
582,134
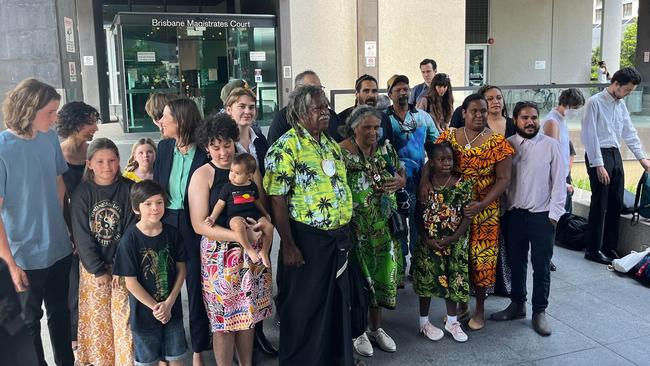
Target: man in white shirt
535,202
605,121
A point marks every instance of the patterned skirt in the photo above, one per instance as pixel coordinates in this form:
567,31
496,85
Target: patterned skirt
104,336
237,293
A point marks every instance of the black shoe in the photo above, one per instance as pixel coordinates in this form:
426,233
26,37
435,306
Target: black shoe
262,343
513,311
598,257
611,253
552,267
540,324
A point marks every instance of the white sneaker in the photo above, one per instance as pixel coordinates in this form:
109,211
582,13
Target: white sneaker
431,332
383,340
456,331
362,346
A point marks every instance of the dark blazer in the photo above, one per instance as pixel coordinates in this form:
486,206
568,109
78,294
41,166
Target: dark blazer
163,166
261,147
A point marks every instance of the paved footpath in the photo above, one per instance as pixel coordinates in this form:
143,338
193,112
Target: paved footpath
598,318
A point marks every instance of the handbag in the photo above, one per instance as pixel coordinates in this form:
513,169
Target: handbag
397,224
628,262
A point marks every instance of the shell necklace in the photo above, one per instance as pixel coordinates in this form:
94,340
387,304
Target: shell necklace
469,143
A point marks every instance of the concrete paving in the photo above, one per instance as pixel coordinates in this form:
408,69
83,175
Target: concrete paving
598,318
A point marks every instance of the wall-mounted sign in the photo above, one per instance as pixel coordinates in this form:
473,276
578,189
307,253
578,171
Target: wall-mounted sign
89,61
72,70
165,22
258,75
371,61
69,34
370,48
286,72
257,56
146,57
540,65
646,56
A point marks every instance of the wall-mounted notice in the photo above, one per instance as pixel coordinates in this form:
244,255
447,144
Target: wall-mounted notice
257,56
146,57
370,48
72,70
286,72
258,75
89,61
69,34
646,56
371,61
540,65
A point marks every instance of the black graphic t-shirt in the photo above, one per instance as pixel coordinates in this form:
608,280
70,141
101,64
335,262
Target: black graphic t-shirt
152,260
100,215
240,200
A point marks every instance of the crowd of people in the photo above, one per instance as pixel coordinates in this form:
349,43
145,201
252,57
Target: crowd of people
362,201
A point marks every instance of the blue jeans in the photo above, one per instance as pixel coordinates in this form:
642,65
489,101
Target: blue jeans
408,243
526,229
165,343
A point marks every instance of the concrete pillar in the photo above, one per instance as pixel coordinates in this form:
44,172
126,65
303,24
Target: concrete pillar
285,79
610,36
643,40
88,49
367,37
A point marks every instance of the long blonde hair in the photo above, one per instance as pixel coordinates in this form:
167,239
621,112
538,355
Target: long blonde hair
23,102
132,164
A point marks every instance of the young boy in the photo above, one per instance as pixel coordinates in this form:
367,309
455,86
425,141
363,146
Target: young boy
152,261
240,199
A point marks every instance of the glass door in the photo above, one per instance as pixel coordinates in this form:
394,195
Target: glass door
476,65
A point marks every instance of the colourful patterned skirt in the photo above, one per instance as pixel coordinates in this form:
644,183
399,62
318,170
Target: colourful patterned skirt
237,293
104,336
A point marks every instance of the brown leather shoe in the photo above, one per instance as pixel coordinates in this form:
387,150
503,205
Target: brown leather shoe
540,324
513,311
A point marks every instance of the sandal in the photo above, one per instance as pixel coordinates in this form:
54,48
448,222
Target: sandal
474,325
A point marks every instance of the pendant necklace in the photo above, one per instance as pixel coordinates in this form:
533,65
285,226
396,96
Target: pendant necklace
442,186
469,143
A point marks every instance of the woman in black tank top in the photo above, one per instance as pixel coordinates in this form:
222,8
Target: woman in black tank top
226,272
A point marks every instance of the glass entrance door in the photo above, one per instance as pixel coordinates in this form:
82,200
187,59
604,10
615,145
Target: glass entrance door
476,65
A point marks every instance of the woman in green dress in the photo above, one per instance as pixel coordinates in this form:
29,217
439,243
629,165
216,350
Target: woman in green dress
374,173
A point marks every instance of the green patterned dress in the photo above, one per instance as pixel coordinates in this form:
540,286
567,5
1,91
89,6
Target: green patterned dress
379,254
444,274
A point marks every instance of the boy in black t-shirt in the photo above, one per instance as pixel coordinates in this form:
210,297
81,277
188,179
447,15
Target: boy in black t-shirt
240,199
152,261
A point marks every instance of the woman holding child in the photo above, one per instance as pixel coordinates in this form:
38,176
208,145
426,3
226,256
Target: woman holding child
237,292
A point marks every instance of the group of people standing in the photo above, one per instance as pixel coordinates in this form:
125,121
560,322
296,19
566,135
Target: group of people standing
351,196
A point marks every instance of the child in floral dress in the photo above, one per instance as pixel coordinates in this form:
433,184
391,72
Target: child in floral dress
440,263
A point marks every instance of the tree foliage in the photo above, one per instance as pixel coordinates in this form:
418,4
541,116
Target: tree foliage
628,45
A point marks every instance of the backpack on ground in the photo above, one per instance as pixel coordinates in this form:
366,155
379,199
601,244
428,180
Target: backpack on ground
571,232
641,272
642,199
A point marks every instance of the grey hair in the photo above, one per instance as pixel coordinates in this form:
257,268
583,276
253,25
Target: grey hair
300,78
299,102
358,115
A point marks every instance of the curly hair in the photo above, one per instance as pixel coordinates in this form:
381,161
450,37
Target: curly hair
23,102
74,116
219,126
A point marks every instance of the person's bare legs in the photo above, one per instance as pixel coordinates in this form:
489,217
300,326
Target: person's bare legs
224,347
197,359
375,318
238,225
267,240
244,346
452,308
478,318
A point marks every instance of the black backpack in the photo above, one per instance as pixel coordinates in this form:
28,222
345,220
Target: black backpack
642,199
571,232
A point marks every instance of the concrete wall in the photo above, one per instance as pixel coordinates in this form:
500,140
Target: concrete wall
324,39
410,31
557,32
28,43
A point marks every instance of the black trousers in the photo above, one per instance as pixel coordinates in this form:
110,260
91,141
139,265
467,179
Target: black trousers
606,203
73,297
199,325
49,285
534,229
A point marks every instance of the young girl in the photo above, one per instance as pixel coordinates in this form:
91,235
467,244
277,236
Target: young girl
101,212
440,263
140,164
239,198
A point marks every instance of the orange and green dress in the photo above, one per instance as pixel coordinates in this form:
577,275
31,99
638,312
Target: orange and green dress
479,165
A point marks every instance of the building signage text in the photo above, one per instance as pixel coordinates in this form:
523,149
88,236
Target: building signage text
200,23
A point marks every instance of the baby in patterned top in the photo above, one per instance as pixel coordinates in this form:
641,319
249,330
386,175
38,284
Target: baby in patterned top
239,198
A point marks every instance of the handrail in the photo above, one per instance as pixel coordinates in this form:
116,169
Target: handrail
335,92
